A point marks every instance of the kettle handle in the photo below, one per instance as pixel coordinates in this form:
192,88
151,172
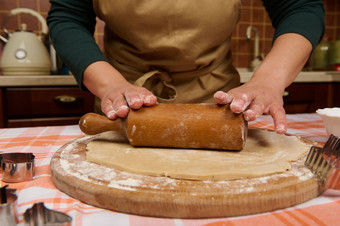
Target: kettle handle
44,28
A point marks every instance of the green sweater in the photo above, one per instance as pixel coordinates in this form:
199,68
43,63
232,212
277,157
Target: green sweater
72,25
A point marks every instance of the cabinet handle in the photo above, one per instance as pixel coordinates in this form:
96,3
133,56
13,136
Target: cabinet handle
285,94
65,99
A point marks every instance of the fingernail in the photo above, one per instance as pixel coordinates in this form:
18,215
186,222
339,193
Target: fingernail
281,129
120,108
246,117
238,105
135,102
223,97
256,116
246,101
250,115
147,99
132,101
111,114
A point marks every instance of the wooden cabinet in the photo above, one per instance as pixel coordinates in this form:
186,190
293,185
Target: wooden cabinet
336,94
43,106
64,105
308,97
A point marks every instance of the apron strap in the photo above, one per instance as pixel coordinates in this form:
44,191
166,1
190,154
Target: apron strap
159,83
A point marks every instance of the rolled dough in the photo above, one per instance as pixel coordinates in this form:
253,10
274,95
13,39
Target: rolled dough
265,153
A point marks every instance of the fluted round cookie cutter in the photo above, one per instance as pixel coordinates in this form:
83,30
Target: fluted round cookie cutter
324,162
17,167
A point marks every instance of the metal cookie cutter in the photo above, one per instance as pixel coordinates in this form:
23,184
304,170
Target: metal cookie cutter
17,167
8,206
40,215
325,163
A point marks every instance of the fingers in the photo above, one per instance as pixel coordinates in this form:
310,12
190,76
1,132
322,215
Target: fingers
133,98
253,104
222,97
118,104
148,99
238,101
255,110
276,111
259,107
115,107
280,121
137,98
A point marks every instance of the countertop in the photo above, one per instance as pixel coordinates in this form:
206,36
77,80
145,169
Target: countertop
69,80
304,76
39,80
45,141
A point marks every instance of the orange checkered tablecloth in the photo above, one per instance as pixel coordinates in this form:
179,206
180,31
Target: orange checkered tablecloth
43,142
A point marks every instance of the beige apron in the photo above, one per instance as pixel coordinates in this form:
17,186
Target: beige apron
177,49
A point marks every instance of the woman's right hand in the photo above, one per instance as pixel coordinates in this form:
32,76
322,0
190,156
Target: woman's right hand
118,99
117,95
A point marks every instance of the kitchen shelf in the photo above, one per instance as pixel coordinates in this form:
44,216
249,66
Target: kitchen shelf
38,80
304,76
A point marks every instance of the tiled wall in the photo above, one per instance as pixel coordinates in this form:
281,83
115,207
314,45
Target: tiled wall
253,13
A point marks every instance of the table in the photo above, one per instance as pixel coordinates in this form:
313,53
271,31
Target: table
45,141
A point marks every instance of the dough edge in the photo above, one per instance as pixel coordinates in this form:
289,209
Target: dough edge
101,151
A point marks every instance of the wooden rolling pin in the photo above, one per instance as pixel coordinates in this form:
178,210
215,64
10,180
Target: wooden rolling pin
206,126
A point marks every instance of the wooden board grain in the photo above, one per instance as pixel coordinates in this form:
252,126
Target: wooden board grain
125,192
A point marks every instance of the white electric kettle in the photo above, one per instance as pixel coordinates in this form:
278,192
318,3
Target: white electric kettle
24,52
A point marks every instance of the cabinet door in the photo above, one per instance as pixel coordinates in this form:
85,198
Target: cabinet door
39,102
2,109
49,121
307,97
336,94
50,106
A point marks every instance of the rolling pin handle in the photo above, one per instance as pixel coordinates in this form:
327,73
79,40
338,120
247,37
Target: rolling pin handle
92,123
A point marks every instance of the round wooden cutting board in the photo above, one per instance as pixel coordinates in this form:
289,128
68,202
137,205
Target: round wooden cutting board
125,192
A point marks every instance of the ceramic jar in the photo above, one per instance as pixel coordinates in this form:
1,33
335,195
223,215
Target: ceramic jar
321,57
335,56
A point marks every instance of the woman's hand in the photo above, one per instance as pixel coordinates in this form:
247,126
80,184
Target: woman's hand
116,94
263,92
255,99
117,101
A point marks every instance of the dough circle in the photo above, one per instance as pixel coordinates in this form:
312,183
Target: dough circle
265,153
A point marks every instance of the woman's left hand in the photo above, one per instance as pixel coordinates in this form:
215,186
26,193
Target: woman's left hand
254,99
262,94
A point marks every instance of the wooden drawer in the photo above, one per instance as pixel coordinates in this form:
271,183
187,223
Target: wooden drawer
47,102
49,121
307,97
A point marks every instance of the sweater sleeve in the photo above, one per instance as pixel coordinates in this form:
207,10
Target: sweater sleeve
71,25
304,17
